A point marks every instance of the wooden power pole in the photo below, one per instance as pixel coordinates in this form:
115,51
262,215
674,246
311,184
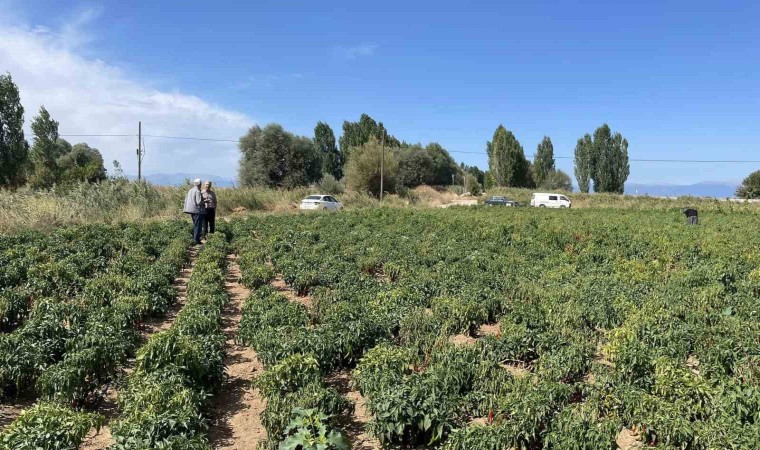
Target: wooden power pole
140,151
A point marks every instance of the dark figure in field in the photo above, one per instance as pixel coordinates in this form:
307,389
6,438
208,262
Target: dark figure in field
209,199
196,208
691,216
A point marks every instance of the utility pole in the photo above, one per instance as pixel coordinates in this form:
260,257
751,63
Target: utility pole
382,164
140,151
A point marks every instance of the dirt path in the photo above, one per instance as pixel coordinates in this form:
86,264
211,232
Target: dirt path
353,426
101,440
238,406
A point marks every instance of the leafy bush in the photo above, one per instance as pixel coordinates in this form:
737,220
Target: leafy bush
49,427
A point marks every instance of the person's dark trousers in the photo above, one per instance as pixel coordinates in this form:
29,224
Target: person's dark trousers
197,227
210,222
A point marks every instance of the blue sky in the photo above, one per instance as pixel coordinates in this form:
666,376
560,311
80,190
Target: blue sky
678,79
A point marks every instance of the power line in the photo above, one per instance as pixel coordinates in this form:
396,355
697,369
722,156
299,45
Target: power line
192,138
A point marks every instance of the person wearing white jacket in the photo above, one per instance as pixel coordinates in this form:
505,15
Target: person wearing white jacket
195,206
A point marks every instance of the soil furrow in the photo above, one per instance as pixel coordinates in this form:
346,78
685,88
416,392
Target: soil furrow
236,409
354,426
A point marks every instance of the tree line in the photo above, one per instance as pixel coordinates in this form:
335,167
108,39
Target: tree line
601,159
49,160
274,157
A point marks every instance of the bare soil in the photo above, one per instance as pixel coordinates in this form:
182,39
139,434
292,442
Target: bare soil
281,287
11,410
462,340
489,330
628,440
101,439
354,426
236,409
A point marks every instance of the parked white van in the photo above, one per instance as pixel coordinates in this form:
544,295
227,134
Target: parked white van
544,200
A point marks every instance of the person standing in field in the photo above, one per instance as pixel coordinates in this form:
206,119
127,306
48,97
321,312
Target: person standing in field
209,200
196,208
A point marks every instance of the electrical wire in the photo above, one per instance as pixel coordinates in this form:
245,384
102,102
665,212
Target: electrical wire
192,138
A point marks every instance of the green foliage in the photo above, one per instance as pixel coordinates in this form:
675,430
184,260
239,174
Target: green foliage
309,431
458,315
49,427
44,151
13,147
81,163
363,167
356,134
609,160
324,139
543,161
157,407
750,187
329,185
289,375
557,180
506,159
583,162
273,157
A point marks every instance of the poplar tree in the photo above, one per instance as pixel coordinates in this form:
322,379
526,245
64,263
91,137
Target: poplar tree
14,150
583,162
506,159
45,151
324,138
543,162
609,161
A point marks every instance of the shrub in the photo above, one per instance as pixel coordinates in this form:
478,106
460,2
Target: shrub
49,427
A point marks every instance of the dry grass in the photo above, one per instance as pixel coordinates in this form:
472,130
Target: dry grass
121,201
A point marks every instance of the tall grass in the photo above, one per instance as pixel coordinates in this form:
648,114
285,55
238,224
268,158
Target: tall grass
118,200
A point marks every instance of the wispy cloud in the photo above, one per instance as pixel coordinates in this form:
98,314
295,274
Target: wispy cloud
90,96
356,51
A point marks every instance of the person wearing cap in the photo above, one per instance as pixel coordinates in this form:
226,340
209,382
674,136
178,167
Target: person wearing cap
209,199
196,208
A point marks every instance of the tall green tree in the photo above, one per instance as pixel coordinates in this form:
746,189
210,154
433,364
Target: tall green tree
363,168
557,180
444,165
14,150
415,166
273,157
583,168
506,159
609,161
750,187
355,134
543,161
324,138
45,151
80,163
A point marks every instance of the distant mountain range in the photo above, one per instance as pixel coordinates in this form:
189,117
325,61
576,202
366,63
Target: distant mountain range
718,189
179,179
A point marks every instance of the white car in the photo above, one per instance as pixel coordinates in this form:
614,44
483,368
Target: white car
544,200
320,202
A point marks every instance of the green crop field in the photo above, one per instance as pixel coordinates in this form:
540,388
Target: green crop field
458,328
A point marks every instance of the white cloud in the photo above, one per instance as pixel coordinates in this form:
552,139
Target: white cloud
90,96
356,51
